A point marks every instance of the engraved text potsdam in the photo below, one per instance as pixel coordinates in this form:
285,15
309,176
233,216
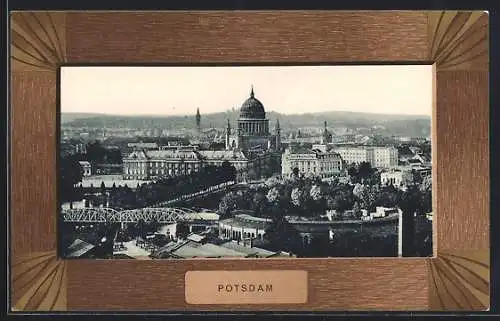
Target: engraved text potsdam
244,287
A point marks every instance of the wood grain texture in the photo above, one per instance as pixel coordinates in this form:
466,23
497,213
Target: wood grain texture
33,162
456,279
458,40
237,36
39,282
341,284
462,161
460,280
38,40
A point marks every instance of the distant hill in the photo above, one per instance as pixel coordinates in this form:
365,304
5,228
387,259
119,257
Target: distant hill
402,125
69,117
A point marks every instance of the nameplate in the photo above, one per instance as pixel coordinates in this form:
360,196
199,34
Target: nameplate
246,287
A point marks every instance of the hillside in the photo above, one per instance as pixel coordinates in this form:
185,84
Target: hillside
405,125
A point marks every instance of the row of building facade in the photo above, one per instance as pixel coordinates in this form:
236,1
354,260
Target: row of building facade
152,164
253,146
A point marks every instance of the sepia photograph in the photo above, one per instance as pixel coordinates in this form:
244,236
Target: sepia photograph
203,162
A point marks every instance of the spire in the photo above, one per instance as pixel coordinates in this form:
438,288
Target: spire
251,92
198,119
277,126
326,124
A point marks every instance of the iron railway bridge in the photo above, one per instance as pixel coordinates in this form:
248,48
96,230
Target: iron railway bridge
166,215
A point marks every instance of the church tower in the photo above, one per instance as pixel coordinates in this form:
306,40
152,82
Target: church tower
198,120
277,132
325,138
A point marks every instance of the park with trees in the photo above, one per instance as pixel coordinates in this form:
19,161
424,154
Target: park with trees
310,198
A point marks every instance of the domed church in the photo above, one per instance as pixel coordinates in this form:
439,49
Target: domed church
252,132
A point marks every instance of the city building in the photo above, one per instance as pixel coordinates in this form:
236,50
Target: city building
182,160
86,168
243,226
421,159
397,178
253,147
197,246
317,161
377,156
253,128
142,145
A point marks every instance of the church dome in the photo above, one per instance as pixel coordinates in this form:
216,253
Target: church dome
252,108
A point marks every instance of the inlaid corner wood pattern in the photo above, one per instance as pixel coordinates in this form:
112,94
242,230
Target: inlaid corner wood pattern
39,282
37,40
460,280
458,40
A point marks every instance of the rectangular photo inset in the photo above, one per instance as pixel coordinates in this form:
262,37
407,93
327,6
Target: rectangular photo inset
184,162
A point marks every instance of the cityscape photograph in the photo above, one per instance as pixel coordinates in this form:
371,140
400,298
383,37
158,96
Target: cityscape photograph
190,162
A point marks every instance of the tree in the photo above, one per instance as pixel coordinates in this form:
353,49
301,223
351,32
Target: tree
352,170
259,204
356,210
359,190
426,195
103,188
95,152
426,184
330,202
272,181
343,199
417,178
282,235
408,202
228,171
227,204
297,197
71,173
388,196
114,156
316,193
295,172
273,196
369,196
365,170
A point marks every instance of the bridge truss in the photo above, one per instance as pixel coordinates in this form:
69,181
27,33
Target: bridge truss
109,215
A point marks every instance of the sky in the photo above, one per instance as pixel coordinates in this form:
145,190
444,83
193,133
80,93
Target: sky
381,89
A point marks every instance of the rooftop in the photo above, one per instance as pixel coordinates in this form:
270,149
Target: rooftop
188,154
223,154
191,249
195,237
78,248
247,221
249,251
202,216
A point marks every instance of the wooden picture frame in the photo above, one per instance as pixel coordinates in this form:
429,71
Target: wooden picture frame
457,278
